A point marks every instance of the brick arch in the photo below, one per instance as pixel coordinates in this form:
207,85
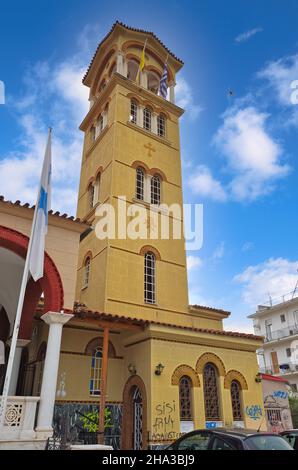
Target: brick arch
157,171
98,342
182,370
138,163
127,420
235,375
50,284
147,248
214,359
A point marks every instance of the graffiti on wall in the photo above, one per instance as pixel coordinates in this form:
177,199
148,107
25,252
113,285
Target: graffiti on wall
254,412
164,422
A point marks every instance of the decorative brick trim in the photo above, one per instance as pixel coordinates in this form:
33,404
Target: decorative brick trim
147,248
214,359
235,375
50,283
128,412
182,370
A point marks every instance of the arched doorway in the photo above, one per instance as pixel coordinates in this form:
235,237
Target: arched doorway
134,420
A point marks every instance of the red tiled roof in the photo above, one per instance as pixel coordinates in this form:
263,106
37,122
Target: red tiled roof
56,214
83,312
138,30
211,309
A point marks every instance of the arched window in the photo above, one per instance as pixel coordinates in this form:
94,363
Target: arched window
95,375
132,69
90,196
133,111
97,188
86,273
211,396
147,119
185,386
99,126
149,278
93,133
140,183
236,400
153,82
161,125
102,86
155,190
113,69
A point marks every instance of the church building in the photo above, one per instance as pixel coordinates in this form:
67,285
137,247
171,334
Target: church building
131,342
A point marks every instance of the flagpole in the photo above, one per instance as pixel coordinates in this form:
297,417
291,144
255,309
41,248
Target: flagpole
17,321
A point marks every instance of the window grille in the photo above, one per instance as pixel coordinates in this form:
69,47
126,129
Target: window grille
211,397
185,386
236,400
149,287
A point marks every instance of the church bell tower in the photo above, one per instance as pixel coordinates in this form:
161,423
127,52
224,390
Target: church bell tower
131,158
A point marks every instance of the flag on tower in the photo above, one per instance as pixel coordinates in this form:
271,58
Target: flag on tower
163,89
142,61
36,261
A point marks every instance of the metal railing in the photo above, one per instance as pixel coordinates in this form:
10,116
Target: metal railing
282,333
280,369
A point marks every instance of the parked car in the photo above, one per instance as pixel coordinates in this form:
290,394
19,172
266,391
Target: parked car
227,439
291,437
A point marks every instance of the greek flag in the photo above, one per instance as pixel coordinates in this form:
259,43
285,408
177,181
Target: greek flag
163,83
40,227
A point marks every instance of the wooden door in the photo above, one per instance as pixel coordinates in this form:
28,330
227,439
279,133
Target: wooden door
274,362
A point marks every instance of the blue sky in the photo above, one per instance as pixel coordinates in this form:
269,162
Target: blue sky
239,152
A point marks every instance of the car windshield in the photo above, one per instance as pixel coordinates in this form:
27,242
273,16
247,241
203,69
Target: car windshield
263,442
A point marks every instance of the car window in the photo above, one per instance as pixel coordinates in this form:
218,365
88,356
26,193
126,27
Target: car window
220,444
292,439
197,441
267,443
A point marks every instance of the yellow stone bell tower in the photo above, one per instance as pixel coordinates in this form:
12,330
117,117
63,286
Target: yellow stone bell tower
132,150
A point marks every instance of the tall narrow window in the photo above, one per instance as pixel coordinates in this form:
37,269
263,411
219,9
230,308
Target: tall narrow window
95,376
211,397
149,278
185,387
86,274
140,184
236,400
155,190
99,126
161,125
133,111
97,188
90,195
147,119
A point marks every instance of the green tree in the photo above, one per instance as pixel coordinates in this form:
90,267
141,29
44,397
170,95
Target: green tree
293,401
90,420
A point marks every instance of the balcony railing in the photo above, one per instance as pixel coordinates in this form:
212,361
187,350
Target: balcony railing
281,369
19,418
282,333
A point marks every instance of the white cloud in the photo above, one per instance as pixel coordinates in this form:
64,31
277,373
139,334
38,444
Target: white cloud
248,34
219,251
252,155
275,276
53,96
280,74
184,99
202,183
193,262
